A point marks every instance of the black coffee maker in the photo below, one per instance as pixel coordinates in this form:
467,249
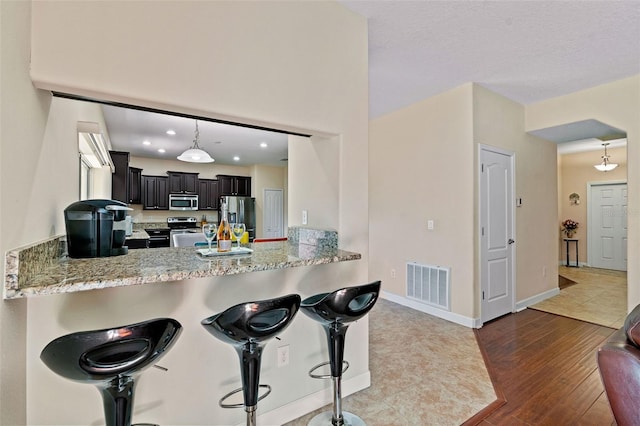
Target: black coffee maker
96,228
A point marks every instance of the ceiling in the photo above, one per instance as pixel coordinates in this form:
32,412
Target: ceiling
130,128
527,51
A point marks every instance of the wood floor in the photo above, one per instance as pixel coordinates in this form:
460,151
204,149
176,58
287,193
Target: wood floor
544,367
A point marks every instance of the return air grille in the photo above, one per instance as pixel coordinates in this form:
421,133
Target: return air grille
429,284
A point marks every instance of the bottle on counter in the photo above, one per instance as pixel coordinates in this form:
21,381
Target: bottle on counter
224,231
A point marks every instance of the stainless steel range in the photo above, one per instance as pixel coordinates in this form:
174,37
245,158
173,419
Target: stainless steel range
182,225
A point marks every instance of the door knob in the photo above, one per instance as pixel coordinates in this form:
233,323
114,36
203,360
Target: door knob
511,241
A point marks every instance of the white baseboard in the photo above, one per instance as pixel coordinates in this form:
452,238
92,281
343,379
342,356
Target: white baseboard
300,407
446,315
523,304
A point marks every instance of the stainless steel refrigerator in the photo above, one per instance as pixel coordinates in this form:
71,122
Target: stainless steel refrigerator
241,210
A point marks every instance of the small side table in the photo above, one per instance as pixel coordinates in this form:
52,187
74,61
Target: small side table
572,240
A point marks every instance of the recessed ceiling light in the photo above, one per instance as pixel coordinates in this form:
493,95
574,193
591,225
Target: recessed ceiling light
236,158
171,132
161,151
146,143
263,145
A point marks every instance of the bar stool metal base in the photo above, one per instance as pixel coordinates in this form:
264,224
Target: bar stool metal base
326,418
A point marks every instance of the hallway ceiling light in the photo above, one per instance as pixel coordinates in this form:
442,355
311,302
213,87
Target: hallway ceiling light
195,154
605,166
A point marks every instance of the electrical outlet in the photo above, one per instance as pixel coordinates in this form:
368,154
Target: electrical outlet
430,225
393,273
283,355
305,217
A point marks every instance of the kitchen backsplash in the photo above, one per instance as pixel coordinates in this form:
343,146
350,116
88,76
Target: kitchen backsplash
139,215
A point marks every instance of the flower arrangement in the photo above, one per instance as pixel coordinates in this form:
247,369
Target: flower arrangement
569,227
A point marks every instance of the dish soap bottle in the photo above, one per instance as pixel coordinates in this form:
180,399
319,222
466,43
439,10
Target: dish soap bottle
224,232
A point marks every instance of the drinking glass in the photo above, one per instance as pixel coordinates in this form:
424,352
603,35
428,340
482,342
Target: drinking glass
238,230
209,231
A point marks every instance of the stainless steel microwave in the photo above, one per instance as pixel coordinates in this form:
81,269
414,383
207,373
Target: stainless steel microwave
183,202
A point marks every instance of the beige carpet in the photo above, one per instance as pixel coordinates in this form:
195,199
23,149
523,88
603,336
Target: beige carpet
424,371
598,296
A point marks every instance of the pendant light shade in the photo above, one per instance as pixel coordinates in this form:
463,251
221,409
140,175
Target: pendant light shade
195,154
605,166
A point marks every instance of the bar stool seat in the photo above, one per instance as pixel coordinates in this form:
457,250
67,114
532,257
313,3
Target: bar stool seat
335,311
247,327
112,359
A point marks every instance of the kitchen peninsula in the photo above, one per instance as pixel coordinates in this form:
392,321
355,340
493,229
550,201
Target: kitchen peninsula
61,274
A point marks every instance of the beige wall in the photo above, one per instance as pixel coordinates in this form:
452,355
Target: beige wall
421,161
267,177
314,177
239,49
423,166
616,104
575,172
39,177
499,122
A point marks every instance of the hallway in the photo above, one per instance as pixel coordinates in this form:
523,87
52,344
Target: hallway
594,295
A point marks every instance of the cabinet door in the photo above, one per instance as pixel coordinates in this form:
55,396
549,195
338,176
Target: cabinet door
243,186
135,190
148,192
226,185
162,193
213,195
176,183
203,194
120,178
190,183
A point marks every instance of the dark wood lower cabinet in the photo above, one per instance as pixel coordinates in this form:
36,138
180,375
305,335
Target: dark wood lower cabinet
137,244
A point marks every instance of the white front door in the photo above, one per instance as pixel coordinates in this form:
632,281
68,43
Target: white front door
607,226
496,233
273,213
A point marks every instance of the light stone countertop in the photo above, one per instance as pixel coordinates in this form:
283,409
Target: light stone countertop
146,266
138,234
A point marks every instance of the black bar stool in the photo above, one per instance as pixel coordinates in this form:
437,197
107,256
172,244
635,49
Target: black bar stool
112,359
334,311
247,327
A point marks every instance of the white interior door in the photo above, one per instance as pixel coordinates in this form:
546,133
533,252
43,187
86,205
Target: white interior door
273,213
607,226
496,229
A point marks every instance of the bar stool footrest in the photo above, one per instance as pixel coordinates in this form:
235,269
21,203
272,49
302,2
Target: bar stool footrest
235,391
326,418
326,376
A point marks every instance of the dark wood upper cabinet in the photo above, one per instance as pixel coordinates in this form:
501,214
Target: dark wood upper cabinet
155,192
208,194
125,181
234,185
135,185
183,183
120,178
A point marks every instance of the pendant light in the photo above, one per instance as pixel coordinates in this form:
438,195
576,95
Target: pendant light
195,154
605,166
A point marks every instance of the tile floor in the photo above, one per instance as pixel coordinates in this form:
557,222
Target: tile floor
424,371
599,296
